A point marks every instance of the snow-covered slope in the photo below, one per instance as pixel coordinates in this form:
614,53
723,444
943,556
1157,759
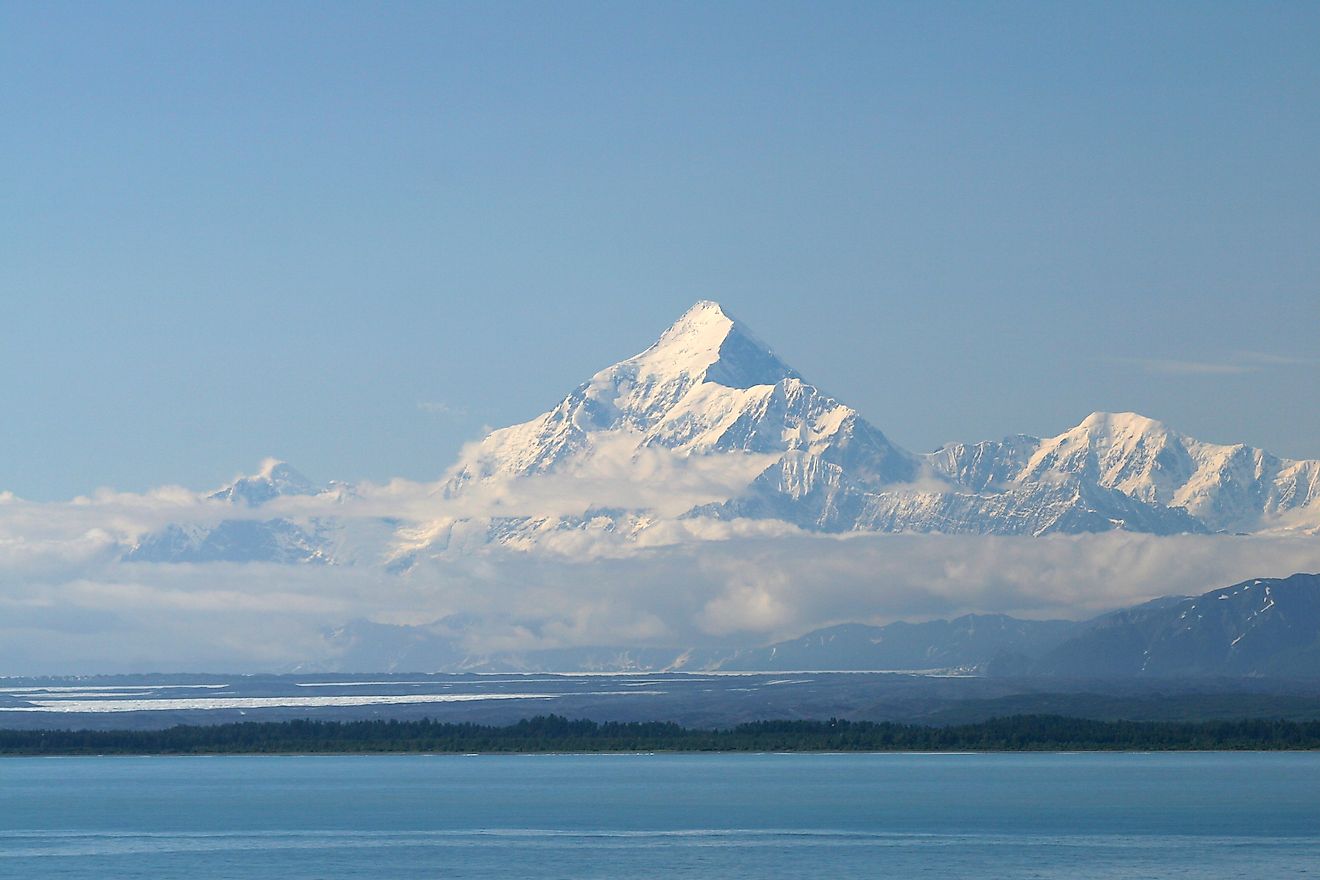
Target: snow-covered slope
242,539
707,387
1226,488
231,540
275,479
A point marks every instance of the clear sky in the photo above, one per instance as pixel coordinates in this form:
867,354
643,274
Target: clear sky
351,235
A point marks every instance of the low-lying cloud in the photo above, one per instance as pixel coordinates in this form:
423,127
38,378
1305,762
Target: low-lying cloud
70,603
97,614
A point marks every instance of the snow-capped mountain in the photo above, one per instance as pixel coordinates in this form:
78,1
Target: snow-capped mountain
231,540
235,539
1227,488
275,479
709,426
707,387
710,389
1141,462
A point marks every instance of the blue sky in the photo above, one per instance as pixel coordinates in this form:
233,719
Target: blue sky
351,235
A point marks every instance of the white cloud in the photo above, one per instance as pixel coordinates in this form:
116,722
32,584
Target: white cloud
114,617
67,604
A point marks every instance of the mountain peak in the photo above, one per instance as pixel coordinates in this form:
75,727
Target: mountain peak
706,385
705,310
1122,422
709,342
274,479
276,469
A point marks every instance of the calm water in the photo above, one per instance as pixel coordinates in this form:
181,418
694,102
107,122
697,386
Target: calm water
709,816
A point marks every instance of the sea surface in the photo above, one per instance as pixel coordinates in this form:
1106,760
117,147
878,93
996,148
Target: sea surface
1199,815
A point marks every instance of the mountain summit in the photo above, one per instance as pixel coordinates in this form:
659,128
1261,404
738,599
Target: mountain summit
708,387
275,479
710,344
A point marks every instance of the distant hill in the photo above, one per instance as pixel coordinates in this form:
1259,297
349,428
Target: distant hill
1261,627
966,643
1266,627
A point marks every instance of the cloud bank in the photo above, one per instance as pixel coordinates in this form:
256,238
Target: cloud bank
69,604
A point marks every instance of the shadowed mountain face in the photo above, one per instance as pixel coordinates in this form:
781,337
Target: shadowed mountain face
1262,627
967,643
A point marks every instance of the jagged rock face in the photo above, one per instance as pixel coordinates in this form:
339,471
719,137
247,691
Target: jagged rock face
1072,508
986,466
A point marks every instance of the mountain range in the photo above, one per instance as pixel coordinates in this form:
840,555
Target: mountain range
710,400
1257,628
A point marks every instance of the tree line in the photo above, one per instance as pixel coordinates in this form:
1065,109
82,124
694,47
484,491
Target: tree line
553,733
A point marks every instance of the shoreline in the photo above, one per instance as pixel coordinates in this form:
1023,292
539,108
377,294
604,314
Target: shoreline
657,754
